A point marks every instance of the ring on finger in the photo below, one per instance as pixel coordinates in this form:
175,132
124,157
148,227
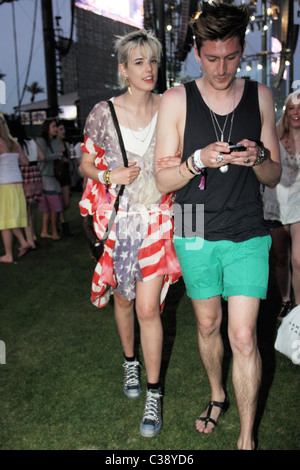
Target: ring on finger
219,158
248,160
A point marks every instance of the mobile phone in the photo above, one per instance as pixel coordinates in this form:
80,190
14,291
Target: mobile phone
238,147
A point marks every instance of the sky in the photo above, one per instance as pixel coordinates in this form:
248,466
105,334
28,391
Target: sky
24,21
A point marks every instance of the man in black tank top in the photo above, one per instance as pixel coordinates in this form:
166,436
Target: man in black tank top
220,237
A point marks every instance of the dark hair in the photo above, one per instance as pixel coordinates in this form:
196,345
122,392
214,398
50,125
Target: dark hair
18,131
45,130
61,122
222,21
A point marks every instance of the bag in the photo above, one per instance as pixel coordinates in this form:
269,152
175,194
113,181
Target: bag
61,170
58,169
288,336
96,245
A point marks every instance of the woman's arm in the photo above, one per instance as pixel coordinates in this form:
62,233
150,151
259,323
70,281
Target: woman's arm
120,175
46,150
23,160
41,156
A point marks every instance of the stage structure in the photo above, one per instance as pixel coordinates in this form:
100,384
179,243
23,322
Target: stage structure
170,22
90,67
273,63
98,23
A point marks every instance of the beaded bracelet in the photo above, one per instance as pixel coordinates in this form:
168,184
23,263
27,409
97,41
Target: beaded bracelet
261,157
107,185
107,177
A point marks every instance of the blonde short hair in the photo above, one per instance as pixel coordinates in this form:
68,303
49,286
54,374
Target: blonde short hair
124,45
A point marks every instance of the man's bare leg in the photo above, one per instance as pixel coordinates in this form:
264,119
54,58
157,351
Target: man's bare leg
209,316
246,370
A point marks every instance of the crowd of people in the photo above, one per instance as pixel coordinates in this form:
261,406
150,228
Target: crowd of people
33,172
192,205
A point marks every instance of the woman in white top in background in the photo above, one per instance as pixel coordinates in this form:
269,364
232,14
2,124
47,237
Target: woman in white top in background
282,207
33,186
31,174
134,266
13,213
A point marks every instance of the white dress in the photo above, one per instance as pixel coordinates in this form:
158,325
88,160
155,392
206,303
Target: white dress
283,202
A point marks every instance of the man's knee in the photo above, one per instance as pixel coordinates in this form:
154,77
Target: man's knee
208,326
208,316
243,341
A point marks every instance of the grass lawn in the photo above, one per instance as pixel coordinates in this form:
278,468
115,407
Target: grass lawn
61,386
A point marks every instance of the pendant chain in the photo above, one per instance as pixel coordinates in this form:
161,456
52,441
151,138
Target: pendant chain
223,168
128,122
214,117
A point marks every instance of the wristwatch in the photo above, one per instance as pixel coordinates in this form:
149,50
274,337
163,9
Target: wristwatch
261,157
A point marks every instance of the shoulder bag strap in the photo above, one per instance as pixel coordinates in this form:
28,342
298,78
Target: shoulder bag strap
116,123
125,160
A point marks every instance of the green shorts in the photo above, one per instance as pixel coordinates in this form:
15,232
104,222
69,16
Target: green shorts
223,267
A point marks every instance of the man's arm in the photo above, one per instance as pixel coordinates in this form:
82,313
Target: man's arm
169,138
269,171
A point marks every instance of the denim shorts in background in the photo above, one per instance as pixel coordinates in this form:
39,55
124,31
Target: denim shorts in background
226,268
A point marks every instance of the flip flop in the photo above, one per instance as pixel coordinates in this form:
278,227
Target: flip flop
23,251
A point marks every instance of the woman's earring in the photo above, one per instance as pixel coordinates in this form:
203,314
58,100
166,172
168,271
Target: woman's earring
128,86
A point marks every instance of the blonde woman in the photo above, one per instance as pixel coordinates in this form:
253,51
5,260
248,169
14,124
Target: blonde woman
282,207
13,212
135,267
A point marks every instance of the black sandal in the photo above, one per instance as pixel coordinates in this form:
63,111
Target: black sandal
224,405
285,308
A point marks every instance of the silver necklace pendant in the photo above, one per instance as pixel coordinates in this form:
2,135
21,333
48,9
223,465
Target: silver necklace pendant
223,169
140,128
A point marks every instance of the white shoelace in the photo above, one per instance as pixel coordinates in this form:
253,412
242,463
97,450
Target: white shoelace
152,406
131,374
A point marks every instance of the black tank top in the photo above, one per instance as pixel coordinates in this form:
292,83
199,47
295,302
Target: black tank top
231,201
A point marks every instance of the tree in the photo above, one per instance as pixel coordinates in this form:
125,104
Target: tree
34,89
